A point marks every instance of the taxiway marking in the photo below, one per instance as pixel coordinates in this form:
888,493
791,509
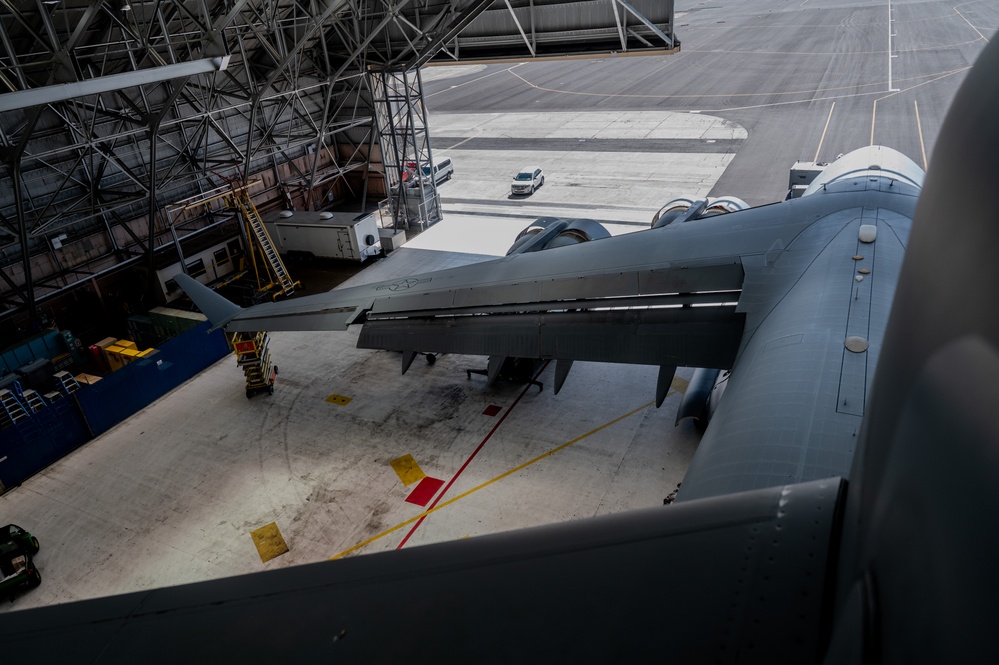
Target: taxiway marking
269,542
408,470
971,24
874,115
919,128
474,453
824,129
475,489
453,87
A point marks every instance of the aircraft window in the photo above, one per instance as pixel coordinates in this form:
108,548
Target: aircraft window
196,268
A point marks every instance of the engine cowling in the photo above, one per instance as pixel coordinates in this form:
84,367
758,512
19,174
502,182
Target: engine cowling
552,232
683,209
704,392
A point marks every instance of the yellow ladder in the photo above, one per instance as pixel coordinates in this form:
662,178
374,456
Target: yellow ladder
281,280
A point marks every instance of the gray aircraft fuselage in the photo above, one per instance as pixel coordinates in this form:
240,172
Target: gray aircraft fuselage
796,396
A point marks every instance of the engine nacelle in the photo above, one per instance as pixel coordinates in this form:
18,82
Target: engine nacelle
704,392
683,209
724,204
552,232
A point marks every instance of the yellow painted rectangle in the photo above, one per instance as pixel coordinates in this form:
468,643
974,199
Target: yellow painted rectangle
679,384
269,542
339,400
407,468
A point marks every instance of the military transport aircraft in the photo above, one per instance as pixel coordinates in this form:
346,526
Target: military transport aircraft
792,297
831,514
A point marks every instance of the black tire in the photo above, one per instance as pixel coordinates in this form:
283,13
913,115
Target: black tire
270,389
34,546
275,370
431,359
533,189
34,578
249,394
542,182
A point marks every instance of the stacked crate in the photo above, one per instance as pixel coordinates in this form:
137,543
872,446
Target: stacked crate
119,352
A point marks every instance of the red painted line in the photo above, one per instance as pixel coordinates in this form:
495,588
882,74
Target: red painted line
471,457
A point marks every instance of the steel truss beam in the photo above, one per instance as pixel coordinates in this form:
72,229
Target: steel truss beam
297,101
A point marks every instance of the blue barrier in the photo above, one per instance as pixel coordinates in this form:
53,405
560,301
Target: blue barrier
33,443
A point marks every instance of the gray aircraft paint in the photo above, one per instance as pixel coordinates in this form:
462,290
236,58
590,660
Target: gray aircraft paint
896,565
794,404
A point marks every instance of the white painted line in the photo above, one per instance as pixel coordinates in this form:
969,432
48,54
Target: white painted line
919,127
891,88
824,129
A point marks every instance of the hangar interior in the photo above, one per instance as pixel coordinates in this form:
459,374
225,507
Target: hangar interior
124,124
142,139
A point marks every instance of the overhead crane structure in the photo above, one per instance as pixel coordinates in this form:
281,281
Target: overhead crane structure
114,108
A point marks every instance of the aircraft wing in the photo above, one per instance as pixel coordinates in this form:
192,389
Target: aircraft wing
697,582
665,296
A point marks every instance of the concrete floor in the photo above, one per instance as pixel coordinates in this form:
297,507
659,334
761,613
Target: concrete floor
173,494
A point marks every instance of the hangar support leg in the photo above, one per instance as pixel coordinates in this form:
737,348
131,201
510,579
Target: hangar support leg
405,144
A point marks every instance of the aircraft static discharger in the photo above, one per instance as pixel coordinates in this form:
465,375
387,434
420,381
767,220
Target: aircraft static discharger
891,560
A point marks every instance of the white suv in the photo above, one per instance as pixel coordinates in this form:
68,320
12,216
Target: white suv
528,180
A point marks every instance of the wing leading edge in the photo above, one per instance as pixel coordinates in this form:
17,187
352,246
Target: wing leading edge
664,296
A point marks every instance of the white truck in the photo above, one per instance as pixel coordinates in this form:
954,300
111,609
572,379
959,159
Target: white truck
334,235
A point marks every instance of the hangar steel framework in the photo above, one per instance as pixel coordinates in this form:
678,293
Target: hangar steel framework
111,110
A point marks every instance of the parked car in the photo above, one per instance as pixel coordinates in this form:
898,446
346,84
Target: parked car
16,567
528,180
442,170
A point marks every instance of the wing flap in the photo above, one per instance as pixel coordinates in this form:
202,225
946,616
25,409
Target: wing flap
694,336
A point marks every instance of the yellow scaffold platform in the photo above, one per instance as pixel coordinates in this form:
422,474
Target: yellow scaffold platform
254,357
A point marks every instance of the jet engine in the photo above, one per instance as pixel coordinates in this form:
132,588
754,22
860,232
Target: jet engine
704,391
683,209
552,232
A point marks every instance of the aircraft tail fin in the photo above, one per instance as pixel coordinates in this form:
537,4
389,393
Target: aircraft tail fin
218,310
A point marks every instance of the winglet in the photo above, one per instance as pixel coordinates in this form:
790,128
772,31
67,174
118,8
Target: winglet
218,310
